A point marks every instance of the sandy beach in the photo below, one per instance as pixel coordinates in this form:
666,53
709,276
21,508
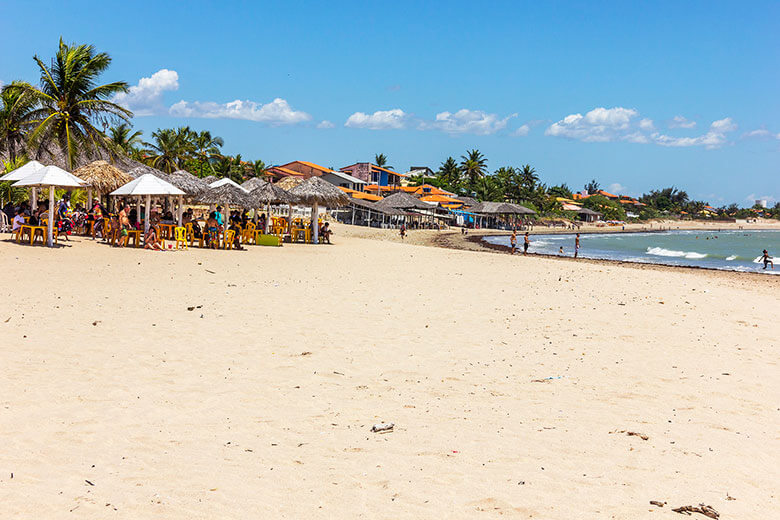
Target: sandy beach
213,384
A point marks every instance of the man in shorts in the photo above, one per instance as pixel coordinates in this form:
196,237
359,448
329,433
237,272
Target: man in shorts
576,245
526,243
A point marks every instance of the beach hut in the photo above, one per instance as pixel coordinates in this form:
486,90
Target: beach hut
101,177
51,177
227,195
315,192
148,185
268,194
25,171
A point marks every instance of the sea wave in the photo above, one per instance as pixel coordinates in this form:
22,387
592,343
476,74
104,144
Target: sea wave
732,257
660,251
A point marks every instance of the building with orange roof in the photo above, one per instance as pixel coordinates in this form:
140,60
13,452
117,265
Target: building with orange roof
280,172
374,174
440,199
308,169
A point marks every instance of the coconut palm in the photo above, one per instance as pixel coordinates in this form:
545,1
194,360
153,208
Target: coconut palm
449,172
381,161
16,105
473,165
125,139
259,169
71,101
169,149
207,147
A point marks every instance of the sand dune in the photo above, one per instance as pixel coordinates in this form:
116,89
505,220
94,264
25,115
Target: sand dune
211,384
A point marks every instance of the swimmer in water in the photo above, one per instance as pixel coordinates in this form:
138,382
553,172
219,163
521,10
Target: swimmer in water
767,259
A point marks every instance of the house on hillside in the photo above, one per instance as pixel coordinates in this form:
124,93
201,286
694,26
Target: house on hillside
307,169
374,174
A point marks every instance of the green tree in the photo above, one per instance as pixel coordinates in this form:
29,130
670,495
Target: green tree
8,192
562,190
473,165
207,147
171,147
123,137
381,161
449,174
610,209
71,102
16,106
592,187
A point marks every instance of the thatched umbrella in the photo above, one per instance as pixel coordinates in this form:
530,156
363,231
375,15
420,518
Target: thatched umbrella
270,194
101,177
208,179
187,182
226,195
253,183
289,183
315,191
402,200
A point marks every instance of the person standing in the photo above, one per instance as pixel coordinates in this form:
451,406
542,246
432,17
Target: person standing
513,241
767,259
526,243
576,245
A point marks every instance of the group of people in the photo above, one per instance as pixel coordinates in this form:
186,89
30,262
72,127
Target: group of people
527,243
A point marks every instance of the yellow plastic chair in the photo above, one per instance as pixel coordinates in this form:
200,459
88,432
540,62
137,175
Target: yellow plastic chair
249,232
230,236
180,234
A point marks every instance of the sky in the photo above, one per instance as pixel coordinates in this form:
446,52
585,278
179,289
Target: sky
637,95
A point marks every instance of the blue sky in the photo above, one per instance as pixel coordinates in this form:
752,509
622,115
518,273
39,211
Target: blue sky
635,95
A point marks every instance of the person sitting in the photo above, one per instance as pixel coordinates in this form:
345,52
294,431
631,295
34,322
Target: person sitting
235,226
325,232
18,221
152,239
34,218
218,216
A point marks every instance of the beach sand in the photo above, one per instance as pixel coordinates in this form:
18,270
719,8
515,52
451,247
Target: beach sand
213,384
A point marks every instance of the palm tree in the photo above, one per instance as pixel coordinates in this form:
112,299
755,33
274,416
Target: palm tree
169,150
381,161
474,165
259,168
16,104
71,102
208,147
449,172
124,140
528,177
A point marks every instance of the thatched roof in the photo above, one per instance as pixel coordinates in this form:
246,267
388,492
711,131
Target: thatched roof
501,208
253,183
373,206
102,177
226,195
270,194
142,169
289,183
187,182
317,191
208,179
402,200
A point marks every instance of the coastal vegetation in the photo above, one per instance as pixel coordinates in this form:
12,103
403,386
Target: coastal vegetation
71,112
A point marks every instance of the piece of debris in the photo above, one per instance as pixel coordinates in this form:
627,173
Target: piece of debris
94,323
190,309
707,511
306,353
633,434
212,272
338,373
382,427
657,503
88,482
6,321
728,497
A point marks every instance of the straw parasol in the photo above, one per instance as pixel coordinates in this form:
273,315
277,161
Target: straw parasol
315,191
51,176
148,185
208,179
226,195
289,183
101,177
402,200
270,194
253,183
187,182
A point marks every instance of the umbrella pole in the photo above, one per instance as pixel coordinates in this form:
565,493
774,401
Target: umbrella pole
137,209
315,228
181,208
89,199
289,219
51,216
148,215
34,204
267,217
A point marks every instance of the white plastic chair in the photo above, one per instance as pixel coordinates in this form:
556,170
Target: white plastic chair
5,226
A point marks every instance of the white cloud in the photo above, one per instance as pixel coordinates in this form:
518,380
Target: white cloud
759,133
636,137
681,122
325,124
598,125
715,138
277,112
146,98
466,121
646,124
616,188
522,131
380,120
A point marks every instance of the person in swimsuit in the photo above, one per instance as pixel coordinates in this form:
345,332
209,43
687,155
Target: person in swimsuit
124,225
152,240
576,245
767,259
526,243
212,231
513,241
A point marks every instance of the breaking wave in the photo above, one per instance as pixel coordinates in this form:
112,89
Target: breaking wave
660,251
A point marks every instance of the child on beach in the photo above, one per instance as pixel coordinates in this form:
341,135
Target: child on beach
767,259
560,251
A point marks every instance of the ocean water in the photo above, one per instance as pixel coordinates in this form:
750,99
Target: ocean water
728,250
